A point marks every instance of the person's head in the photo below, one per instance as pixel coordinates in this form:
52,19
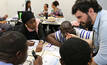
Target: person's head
28,4
66,27
13,48
5,27
75,51
46,6
28,19
55,4
86,10
5,16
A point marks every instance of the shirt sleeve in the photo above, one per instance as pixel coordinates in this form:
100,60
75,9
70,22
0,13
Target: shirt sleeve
84,34
59,36
101,57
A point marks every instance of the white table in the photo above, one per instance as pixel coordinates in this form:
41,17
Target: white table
58,21
50,54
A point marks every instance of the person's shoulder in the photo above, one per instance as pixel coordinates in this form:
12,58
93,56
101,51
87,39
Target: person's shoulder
19,28
103,13
103,17
59,31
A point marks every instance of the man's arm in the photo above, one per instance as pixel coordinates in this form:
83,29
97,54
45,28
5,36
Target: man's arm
51,39
38,61
72,35
93,63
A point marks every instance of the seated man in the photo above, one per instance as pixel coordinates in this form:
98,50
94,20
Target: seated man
45,11
31,28
75,51
13,49
66,29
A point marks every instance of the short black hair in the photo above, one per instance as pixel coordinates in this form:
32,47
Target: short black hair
10,43
47,5
55,3
26,16
67,27
84,5
75,51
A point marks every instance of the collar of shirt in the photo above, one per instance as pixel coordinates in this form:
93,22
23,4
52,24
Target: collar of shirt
30,30
95,26
3,63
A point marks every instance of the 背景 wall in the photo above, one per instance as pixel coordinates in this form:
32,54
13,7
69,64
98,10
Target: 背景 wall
11,7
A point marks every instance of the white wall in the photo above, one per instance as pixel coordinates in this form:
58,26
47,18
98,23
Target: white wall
3,7
12,6
103,3
65,5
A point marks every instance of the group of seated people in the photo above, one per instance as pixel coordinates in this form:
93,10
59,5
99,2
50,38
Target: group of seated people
56,12
13,50
13,44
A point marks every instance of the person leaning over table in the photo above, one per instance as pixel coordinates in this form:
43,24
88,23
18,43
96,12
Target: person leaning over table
86,10
57,38
56,12
30,27
13,49
75,51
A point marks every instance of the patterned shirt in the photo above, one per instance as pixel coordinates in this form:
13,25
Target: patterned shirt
84,34
57,13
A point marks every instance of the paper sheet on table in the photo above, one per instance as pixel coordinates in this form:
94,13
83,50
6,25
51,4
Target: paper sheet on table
50,60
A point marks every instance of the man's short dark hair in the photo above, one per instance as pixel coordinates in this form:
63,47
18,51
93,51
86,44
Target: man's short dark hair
10,43
26,16
84,5
47,5
66,27
75,51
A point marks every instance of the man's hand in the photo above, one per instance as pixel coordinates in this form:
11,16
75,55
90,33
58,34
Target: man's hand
93,63
68,36
38,61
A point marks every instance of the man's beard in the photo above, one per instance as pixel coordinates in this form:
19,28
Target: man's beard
88,23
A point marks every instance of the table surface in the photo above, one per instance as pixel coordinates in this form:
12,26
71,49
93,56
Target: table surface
50,54
57,21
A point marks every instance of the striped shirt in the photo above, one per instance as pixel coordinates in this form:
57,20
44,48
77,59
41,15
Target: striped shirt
84,34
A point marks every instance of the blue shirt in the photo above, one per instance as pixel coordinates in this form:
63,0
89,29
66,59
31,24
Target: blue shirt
100,37
3,63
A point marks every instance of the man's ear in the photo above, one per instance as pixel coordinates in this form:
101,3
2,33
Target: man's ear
19,54
91,11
